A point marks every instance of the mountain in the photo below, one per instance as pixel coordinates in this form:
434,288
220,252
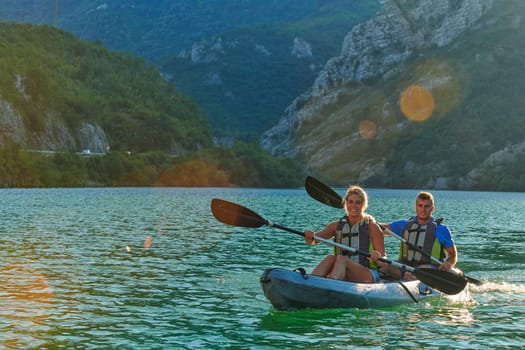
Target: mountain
60,93
426,94
158,29
244,78
242,61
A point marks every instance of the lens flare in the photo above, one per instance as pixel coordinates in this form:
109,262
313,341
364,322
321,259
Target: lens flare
367,129
194,173
417,103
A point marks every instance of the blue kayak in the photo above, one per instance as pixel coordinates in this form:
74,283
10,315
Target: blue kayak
291,290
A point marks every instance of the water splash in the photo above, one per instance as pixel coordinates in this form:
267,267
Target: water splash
502,287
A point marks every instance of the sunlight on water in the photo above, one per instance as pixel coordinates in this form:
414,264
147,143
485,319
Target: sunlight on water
27,302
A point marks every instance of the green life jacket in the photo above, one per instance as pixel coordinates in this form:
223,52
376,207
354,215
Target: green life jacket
423,237
357,237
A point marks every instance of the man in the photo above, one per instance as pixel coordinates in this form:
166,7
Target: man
425,233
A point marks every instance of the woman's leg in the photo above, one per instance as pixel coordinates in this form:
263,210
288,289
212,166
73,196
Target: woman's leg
358,273
338,270
324,267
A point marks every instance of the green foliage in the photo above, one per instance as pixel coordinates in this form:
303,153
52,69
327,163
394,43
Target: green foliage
244,165
14,168
47,71
493,103
249,166
193,173
256,75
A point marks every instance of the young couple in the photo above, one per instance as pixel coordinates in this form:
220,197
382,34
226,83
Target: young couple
359,230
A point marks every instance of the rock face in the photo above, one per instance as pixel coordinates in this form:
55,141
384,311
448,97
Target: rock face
92,137
55,135
376,48
11,125
509,154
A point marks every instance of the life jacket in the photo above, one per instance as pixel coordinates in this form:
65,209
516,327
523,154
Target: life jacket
423,237
357,237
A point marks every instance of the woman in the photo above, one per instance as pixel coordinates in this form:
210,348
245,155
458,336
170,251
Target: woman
357,230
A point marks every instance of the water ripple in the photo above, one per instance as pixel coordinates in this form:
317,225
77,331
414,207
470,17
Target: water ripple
152,269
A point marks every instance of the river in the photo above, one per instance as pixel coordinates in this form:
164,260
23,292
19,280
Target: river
151,268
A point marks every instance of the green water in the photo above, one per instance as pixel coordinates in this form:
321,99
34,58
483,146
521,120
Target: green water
76,274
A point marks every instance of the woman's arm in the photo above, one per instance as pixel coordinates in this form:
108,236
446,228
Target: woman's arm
327,233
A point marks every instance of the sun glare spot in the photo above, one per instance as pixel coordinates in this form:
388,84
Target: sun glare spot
417,103
367,129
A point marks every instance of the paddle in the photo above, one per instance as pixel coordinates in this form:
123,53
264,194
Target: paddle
434,259
236,215
324,194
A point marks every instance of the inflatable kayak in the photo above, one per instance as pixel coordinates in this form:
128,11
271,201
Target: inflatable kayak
289,290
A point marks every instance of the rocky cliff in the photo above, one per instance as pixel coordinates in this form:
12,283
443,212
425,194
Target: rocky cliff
348,126
54,136
376,49
58,92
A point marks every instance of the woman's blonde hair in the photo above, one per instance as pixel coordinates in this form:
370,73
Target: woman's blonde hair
354,189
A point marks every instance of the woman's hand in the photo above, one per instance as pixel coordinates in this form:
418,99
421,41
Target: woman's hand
375,255
309,237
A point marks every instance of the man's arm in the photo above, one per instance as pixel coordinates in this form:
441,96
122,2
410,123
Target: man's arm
451,260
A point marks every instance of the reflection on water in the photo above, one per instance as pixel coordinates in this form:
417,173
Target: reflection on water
151,268
27,302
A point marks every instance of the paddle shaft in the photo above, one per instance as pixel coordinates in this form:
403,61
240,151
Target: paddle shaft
413,246
343,246
443,281
440,280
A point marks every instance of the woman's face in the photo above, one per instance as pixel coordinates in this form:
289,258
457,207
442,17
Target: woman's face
354,206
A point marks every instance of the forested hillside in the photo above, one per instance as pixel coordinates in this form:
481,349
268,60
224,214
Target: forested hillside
53,83
463,59
243,79
46,73
263,53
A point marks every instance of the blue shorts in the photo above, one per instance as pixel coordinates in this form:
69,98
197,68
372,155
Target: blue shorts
375,274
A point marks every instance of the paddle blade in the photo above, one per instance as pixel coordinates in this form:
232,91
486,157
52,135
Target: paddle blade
233,214
457,271
473,281
444,281
322,193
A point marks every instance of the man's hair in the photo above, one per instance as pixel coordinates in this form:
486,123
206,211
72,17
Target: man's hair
426,196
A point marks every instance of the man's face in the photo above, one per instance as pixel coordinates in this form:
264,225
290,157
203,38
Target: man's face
424,209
